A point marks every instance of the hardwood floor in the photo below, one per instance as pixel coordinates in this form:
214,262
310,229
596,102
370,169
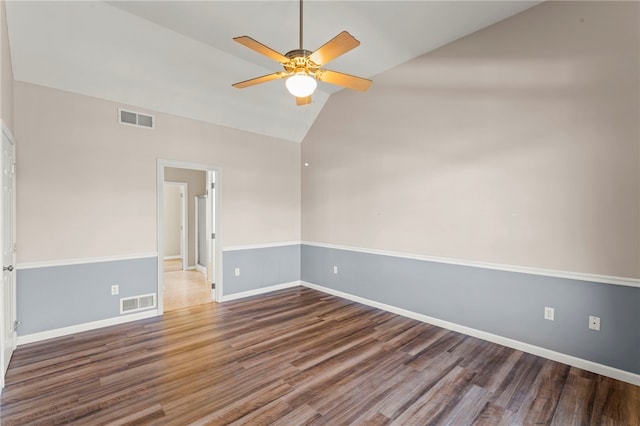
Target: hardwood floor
172,265
299,357
183,288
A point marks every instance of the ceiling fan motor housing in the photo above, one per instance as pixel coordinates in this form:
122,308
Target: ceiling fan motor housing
298,53
300,63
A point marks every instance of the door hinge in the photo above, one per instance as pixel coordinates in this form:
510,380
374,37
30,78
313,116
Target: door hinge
213,286
16,323
213,236
15,248
213,185
13,169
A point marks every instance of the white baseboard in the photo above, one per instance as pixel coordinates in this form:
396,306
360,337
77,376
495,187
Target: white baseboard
172,257
200,268
591,366
259,291
583,364
65,331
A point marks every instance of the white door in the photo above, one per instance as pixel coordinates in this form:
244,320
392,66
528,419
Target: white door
201,233
7,235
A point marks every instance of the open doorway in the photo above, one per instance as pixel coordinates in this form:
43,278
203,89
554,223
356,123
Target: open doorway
189,278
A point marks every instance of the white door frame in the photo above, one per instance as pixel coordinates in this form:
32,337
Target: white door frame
211,225
6,135
213,174
184,223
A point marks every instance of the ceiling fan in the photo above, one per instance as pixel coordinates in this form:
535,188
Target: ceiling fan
302,67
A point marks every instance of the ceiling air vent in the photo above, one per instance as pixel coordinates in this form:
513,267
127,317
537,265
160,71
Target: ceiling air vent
133,118
137,303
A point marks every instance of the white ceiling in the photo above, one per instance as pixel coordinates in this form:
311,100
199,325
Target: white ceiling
178,57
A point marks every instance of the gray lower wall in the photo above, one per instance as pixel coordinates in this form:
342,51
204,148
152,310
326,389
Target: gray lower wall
260,267
61,296
507,304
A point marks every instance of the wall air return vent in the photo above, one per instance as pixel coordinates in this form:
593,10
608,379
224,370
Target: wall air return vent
137,303
132,118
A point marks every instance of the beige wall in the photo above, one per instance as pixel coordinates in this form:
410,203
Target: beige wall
517,145
172,220
197,185
71,204
6,72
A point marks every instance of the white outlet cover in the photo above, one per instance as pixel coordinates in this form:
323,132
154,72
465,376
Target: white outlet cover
594,323
335,269
237,272
115,289
549,313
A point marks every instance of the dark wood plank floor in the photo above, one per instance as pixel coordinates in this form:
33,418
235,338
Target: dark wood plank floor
299,357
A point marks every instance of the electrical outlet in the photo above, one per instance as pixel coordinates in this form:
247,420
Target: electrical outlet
115,289
237,272
549,313
335,269
594,323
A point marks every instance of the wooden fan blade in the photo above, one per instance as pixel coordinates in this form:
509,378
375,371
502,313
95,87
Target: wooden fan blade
261,48
303,101
344,80
339,45
258,80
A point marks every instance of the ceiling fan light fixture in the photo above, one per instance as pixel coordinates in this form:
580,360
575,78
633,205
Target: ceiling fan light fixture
301,85
302,67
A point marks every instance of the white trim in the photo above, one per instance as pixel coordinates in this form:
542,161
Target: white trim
160,233
199,268
65,331
259,246
213,228
584,364
580,276
172,257
68,262
259,291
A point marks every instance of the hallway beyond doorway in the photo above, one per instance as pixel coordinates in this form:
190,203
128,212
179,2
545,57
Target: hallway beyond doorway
183,288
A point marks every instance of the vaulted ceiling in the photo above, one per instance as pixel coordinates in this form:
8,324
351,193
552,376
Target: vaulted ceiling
178,57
